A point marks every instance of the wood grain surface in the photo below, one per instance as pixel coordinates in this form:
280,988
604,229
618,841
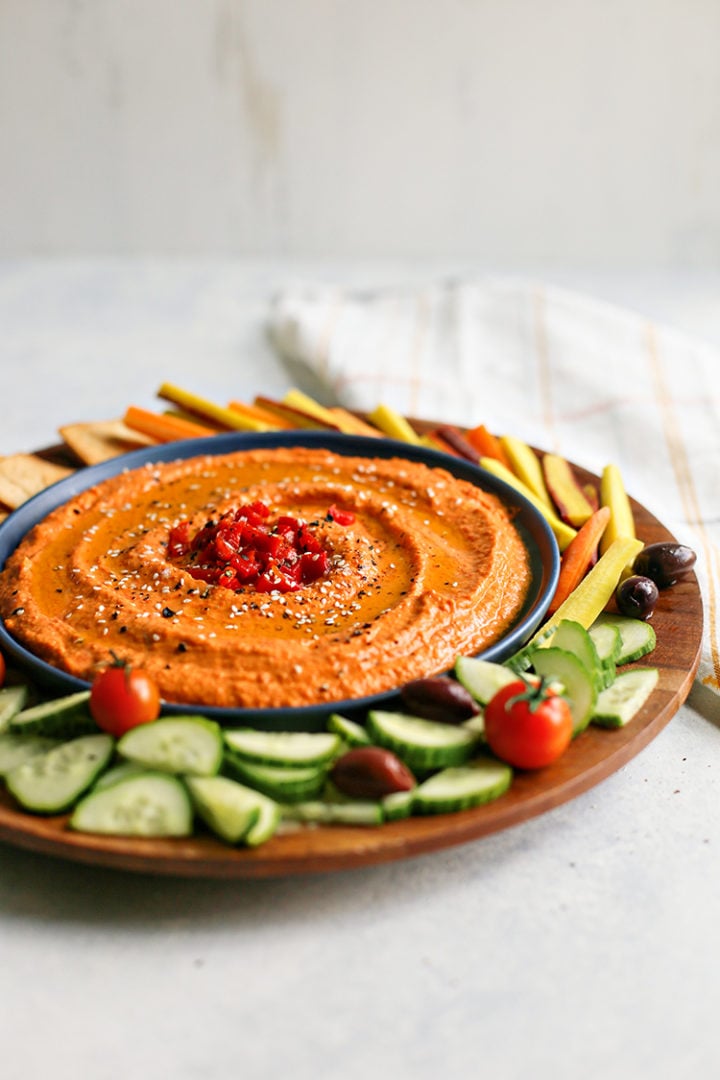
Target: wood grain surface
595,755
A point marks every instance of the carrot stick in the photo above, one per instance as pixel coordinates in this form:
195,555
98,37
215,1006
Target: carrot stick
352,424
256,413
578,556
487,444
162,427
436,442
458,442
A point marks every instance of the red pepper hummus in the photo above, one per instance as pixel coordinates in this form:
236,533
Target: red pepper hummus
365,573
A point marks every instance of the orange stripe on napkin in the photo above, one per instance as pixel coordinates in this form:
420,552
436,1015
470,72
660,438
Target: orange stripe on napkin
688,495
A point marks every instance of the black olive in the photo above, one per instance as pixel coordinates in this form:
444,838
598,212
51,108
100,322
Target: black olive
665,563
637,596
439,698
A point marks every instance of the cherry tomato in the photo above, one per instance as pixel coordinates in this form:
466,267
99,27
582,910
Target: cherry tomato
121,697
2,669
528,726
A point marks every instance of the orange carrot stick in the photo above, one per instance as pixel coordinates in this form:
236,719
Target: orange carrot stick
256,413
578,556
162,427
487,444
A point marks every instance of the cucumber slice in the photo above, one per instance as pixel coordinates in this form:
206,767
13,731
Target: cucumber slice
479,781
350,732
578,685
114,775
12,701
606,639
232,811
51,783
422,743
17,749
574,638
175,744
617,705
280,782
398,805
63,718
637,638
352,812
481,678
293,748
147,804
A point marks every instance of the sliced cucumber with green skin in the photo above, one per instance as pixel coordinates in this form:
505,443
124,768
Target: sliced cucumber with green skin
422,744
63,717
574,638
147,804
280,782
352,733
292,748
12,700
352,812
622,701
398,805
17,749
116,773
637,638
579,687
224,806
53,782
190,745
607,641
232,811
460,788
481,678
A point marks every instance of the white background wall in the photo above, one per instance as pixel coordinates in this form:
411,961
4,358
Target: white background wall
518,131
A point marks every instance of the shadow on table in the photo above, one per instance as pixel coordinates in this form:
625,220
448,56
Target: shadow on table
706,702
34,887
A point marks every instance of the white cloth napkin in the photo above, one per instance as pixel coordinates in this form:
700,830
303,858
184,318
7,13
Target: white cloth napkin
558,370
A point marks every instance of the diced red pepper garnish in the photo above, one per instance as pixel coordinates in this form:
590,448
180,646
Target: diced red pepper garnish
341,517
245,549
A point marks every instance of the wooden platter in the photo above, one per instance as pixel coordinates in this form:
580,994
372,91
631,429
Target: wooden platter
595,755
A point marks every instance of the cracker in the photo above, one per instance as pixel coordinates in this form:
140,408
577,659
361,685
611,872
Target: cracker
102,440
24,475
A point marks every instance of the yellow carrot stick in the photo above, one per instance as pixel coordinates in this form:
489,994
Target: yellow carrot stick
614,496
526,466
200,406
564,534
394,425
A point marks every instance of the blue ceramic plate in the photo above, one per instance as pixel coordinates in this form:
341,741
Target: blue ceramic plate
534,530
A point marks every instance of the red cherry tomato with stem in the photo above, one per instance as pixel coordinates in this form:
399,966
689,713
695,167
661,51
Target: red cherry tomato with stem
528,726
121,697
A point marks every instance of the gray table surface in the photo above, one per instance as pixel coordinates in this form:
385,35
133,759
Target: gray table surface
582,943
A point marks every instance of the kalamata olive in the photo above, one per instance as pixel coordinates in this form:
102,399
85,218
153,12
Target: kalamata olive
439,698
637,596
665,563
370,772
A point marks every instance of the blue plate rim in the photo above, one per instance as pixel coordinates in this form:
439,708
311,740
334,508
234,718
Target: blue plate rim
534,530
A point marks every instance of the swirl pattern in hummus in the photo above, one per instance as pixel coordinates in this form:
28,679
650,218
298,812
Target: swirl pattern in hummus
432,567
